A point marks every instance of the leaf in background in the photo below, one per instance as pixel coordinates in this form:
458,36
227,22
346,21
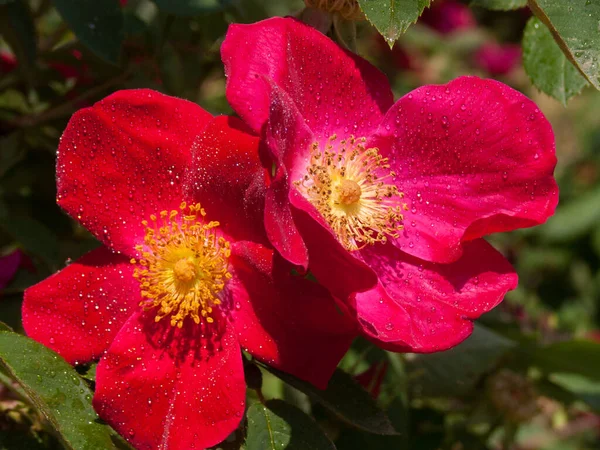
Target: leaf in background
347,400
500,5
11,151
97,24
4,327
186,8
279,425
574,219
576,357
392,17
456,371
547,66
18,30
56,390
34,237
586,389
574,24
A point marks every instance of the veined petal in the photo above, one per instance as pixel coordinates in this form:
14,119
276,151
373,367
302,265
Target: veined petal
472,157
123,159
78,311
165,388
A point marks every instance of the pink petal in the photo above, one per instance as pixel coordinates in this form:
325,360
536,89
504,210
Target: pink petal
473,157
282,318
424,307
165,388
123,159
78,311
335,91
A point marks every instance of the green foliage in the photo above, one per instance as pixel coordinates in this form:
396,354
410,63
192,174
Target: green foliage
99,25
500,5
574,25
56,390
392,17
18,29
547,66
345,398
191,7
456,371
278,425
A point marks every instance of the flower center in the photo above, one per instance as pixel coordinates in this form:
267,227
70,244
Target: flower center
347,183
349,192
183,265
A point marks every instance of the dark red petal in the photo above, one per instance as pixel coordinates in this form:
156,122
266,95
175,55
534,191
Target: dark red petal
473,157
78,311
335,90
424,307
226,177
286,320
123,159
162,387
9,265
287,139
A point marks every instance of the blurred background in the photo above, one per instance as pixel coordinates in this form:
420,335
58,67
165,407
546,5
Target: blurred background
527,379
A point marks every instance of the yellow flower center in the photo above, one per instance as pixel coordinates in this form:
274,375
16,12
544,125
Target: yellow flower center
347,183
183,265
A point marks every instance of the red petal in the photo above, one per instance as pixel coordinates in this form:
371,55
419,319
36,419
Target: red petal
123,159
473,157
164,388
286,320
227,178
336,91
9,265
78,311
425,307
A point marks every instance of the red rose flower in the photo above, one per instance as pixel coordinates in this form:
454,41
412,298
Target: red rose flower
448,16
388,203
498,59
177,288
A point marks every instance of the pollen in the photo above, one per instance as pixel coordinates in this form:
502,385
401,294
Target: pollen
351,186
183,266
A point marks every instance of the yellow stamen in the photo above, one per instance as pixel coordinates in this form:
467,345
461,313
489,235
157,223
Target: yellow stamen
182,266
347,183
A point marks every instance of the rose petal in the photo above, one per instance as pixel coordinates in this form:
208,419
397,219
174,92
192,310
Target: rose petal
162,387
282,318
473,157
424,307
78,311
123,159
335,90
226,177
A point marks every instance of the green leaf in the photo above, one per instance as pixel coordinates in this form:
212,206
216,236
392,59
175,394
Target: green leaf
579,357
185,8
279,425
97,24
500,5
547,66
574,219
5,327
574,24
392,17
34,237
584,388
456,371
56,390
347,400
